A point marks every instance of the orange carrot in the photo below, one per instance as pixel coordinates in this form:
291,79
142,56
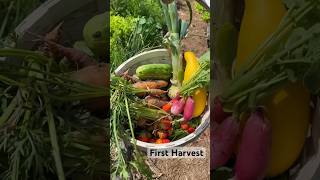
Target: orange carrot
156,84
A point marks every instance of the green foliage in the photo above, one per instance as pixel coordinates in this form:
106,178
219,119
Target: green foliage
137,8
205,15
130,36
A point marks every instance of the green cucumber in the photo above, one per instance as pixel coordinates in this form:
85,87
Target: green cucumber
154,72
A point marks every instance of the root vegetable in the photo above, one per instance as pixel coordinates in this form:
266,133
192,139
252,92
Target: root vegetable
223,140
254,151
178,106
188,109
156,84
155,102
218,113
78,57
95,75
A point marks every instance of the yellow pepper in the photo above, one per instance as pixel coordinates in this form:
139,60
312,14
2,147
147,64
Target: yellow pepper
200,95
288,108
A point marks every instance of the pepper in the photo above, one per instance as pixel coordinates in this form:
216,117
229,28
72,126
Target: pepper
200,95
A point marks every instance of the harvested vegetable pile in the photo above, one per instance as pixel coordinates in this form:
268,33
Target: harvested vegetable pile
262,105
53,107
160,103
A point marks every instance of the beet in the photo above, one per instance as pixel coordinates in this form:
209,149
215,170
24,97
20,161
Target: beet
224,137
254,151
218,113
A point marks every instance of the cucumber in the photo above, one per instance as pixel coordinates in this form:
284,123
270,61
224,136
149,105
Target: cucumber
154,72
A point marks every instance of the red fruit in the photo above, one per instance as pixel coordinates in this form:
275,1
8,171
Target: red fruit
254,151
165,141
165,124
162,135
224,138
218,113
144,139
167,107
159,141
152,141
162,141
190,130
184,126
144,136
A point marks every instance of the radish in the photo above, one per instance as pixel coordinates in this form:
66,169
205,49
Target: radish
218,113
178,106
188,109
224,138
254,150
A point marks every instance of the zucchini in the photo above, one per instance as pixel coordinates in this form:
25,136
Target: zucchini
154,72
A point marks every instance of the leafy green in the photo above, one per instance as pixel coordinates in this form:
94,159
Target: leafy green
205,14
130,36
137,8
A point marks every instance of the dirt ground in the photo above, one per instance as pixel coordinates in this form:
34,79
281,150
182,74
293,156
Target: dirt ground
188,169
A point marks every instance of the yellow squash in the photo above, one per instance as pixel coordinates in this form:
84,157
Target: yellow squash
288,108
200,95
192,65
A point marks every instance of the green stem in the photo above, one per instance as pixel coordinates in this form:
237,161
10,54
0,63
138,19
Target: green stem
53,137
21,53
8,111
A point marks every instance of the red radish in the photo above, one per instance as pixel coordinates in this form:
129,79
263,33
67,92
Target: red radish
253,155
224,138
188,109
218,113
178,106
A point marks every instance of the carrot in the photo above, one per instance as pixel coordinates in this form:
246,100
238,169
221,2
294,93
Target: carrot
254,151
155,84
223,140
78,57
127,77
96,75
154,101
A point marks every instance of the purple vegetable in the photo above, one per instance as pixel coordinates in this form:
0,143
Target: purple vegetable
177,106
254,151
188,109
218,113
224,138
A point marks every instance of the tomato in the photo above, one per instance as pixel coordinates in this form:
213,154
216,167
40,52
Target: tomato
190,130
184,126
162,134
165,124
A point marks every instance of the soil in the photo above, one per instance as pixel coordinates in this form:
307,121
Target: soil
188,169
